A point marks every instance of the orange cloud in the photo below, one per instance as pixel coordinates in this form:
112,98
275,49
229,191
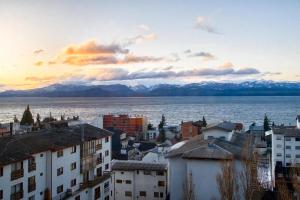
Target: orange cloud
39,63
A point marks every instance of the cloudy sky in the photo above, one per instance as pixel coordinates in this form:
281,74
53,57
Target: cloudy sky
147,42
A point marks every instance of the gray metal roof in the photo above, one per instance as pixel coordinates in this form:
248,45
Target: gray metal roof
20,147
225,125
286,131
198,148
137,165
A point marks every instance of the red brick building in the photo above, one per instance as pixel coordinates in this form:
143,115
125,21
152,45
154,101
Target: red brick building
190,129
131,125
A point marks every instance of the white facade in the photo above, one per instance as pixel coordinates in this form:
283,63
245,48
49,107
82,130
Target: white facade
285,151
139,184
298,122
59,171
217,133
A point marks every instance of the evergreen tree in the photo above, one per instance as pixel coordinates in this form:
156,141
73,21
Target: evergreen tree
16,119
266,123
162,133
27,118
38,119
162,123
204,122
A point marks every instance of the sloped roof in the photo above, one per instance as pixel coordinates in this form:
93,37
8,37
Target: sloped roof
286,131
137,165
225,125
198,148
20,147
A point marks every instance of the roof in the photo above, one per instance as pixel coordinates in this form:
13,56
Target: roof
298,117
145,146
225,125
137,165
286,131
20,147
215,149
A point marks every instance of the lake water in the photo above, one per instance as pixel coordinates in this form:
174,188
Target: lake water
176,109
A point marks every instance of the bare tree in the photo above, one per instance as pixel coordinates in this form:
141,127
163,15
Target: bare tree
283,192
189,188
251,188
226,180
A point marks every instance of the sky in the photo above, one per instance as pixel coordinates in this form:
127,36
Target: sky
147,42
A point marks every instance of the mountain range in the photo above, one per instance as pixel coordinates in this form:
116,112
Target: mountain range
250,88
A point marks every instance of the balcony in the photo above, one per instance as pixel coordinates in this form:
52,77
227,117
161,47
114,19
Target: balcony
99,161
96,181
17,195
106,189
31,187
98,147
31,167
17,174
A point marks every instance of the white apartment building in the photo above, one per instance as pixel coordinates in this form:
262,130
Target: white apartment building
285,147
58,163
139,180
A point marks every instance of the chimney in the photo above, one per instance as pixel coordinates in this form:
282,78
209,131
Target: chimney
82,132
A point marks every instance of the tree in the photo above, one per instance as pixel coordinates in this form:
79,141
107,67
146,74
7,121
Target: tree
27,118
266,123
49,119
38,119
150,126
162,122
227,182
204,122
16,120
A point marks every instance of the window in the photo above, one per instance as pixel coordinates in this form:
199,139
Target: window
60,171
1,171
73,150
147,172
287,155
106,166
210,137
128,181
128,193
106,139
287,139
97,192
287,147
1,194
73,182
41,174
99,171
297,156
41,155
17,188
60,153
73,166
161,183
106,198
160,173
142,193
297,147
278,154
106,153
31,184
161,195
278,145
278,138
156,194
60,189
297,138
118,181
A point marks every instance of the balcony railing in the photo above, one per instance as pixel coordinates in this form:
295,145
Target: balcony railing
31,187
17,174
17,195
31,167
106,189
99,161
98,146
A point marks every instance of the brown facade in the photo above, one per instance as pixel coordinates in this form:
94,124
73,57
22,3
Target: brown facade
189,130
132,126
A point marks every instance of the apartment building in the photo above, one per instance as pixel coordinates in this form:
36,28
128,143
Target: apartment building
285,149
139,180
58,163
131,125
